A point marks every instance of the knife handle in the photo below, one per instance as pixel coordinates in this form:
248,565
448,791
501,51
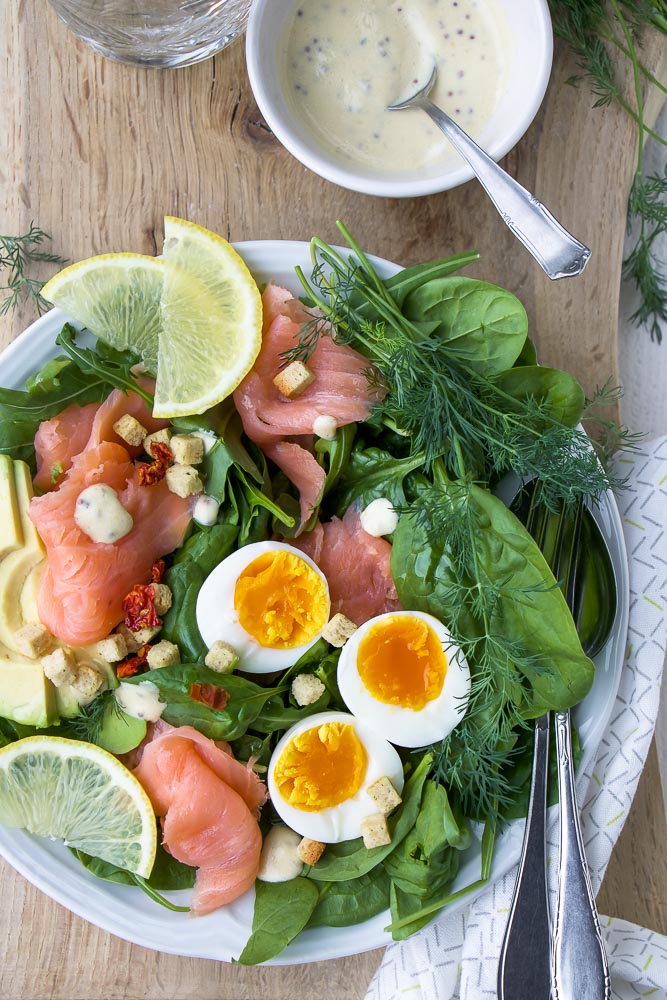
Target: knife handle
525,958
581,971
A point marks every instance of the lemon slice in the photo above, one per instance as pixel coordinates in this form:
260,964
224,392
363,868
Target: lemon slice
117,297
211,321
81,794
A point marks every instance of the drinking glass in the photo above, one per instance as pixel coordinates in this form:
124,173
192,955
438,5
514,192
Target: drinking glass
157,33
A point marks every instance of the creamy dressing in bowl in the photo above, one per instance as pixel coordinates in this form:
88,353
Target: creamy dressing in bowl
345,60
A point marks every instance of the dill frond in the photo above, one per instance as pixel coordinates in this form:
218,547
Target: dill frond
16,255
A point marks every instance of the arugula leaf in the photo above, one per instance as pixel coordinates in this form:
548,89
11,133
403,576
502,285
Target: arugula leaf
282,910
193,562
110,365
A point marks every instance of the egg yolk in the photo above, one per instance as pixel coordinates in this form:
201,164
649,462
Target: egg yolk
401,662
321,767
281,601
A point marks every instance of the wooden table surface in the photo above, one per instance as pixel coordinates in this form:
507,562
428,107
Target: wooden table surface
96,153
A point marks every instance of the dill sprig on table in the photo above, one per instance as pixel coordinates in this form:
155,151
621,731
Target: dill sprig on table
17,253
594,29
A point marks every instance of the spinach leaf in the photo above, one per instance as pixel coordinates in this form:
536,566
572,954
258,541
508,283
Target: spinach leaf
560,394
426,859
282,910
167,873
193,562
480,324
373,473
411,278
276,715
245,704
342,904
350,858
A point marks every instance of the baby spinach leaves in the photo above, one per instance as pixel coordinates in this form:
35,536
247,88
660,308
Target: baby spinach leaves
282,910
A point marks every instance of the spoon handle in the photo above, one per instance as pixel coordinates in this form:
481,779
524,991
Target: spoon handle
580,962
524,972
557,252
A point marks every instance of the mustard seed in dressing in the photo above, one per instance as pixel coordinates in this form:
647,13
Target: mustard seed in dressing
345,62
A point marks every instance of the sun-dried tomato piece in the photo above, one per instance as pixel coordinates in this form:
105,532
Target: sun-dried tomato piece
157,571
153,472
137,664
209,694
139,608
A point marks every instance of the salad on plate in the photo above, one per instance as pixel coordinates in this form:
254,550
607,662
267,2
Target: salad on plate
264,622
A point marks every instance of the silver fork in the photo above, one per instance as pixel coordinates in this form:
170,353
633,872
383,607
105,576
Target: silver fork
557,252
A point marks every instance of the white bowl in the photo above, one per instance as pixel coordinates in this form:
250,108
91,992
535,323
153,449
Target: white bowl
529,66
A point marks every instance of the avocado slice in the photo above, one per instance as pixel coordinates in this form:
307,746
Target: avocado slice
11,532
25,694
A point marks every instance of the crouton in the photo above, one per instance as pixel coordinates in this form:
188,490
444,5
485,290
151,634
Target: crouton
113,649
384,795
134,640
59,666
34,640
87,682
129,637
184,481
338,630
187,449
163,654
157,437
161,598
293,379
130,430
307,689
310,851
375,831
221,657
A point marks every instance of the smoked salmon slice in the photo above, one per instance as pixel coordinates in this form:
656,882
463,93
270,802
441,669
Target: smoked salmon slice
208,803
356,566
84,583
340,390
69,433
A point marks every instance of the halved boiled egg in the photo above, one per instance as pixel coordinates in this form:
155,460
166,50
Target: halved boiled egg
402,674
320,772
268,601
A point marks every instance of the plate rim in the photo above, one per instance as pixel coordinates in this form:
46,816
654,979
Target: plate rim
28,855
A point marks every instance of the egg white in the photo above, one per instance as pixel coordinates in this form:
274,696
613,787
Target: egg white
217,618
341,822
407,727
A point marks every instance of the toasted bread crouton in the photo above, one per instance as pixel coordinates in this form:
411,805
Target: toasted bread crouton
130,430
163,654
221,657
310,851
338,630
59,666
307,689
293,379
187,449
34,640
113,649
384,795
157,437
183,480
161,598
87,682
375,831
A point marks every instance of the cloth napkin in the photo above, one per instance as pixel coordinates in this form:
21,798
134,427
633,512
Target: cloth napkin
456,957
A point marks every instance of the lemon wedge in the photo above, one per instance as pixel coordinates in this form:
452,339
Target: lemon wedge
78,793
117,297
211,321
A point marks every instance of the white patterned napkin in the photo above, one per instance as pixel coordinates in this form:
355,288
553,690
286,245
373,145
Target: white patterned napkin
457,956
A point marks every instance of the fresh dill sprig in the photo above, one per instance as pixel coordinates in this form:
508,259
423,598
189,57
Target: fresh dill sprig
87,725
594,29
16,255
446,407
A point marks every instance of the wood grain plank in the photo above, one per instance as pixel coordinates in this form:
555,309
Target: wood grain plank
96,154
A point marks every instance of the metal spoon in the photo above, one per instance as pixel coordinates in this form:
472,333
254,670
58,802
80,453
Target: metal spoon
557,252
570,961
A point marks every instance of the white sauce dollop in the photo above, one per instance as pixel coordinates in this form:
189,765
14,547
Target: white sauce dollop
100,514
379,518
345,62
141,701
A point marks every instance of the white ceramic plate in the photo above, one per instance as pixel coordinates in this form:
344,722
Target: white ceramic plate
126,911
